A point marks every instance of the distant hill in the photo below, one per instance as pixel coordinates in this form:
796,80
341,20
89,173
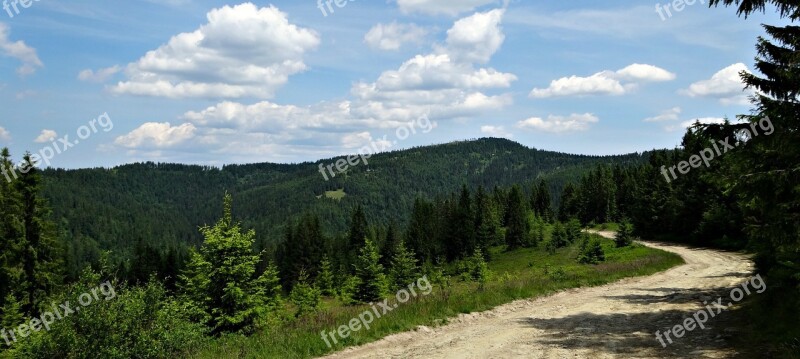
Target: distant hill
163,204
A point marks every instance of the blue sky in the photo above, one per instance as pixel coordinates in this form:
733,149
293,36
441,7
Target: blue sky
212,82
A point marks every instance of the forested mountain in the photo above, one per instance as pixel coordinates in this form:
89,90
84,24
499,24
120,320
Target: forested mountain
158,207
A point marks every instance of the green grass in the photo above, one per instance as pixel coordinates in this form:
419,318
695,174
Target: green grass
516,275
337,194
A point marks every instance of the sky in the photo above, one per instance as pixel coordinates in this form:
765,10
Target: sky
88,83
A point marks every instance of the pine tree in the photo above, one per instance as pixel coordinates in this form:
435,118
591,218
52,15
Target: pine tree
41,255
764,173
624,237
222,277
390,244
325,278
305,296
421,232
541,201
487,226
404,269
357,233
461,233
11,311
517,223
370,273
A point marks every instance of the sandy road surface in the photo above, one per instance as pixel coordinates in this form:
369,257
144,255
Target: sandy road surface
611,321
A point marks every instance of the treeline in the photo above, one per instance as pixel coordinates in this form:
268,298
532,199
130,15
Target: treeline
123,209
437,232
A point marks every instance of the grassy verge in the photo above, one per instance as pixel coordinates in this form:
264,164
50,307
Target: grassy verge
516,275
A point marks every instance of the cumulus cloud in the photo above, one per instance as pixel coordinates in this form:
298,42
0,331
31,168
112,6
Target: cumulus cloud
726,85
445,83
496,131
393,36
153,135
439,7
4,134
560,124
243,51
442,84
20,51
46,136
605,82
100,75
667,115
476,38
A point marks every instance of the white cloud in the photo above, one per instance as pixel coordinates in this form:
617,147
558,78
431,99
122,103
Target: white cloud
20,51
46,136
605,82
441,7
100,76
393,36
496,131
725,85
152,135
476,38
443,84
243,51
4,134
667,115
433,84
560,124
644,72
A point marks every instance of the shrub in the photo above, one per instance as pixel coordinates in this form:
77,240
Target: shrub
591,251
136,322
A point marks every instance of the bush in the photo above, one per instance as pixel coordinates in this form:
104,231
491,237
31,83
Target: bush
136,322
591,251
305,296
624,237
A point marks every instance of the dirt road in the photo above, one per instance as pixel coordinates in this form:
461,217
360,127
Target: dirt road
617,320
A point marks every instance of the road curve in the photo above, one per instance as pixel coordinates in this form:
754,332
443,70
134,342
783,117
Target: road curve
617,320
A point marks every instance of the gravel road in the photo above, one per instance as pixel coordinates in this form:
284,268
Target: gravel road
617,320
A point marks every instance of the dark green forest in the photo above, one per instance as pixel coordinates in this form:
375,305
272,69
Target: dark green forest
123,209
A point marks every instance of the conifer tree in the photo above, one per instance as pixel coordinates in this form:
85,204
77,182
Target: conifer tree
222,276
404,269
305,295
40,254
370,273
325,278
516,223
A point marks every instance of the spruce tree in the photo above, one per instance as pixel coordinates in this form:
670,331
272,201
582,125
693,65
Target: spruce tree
517,223
764,173
41,256
325,278
357,233
370,273
404,269
305,296
222,277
